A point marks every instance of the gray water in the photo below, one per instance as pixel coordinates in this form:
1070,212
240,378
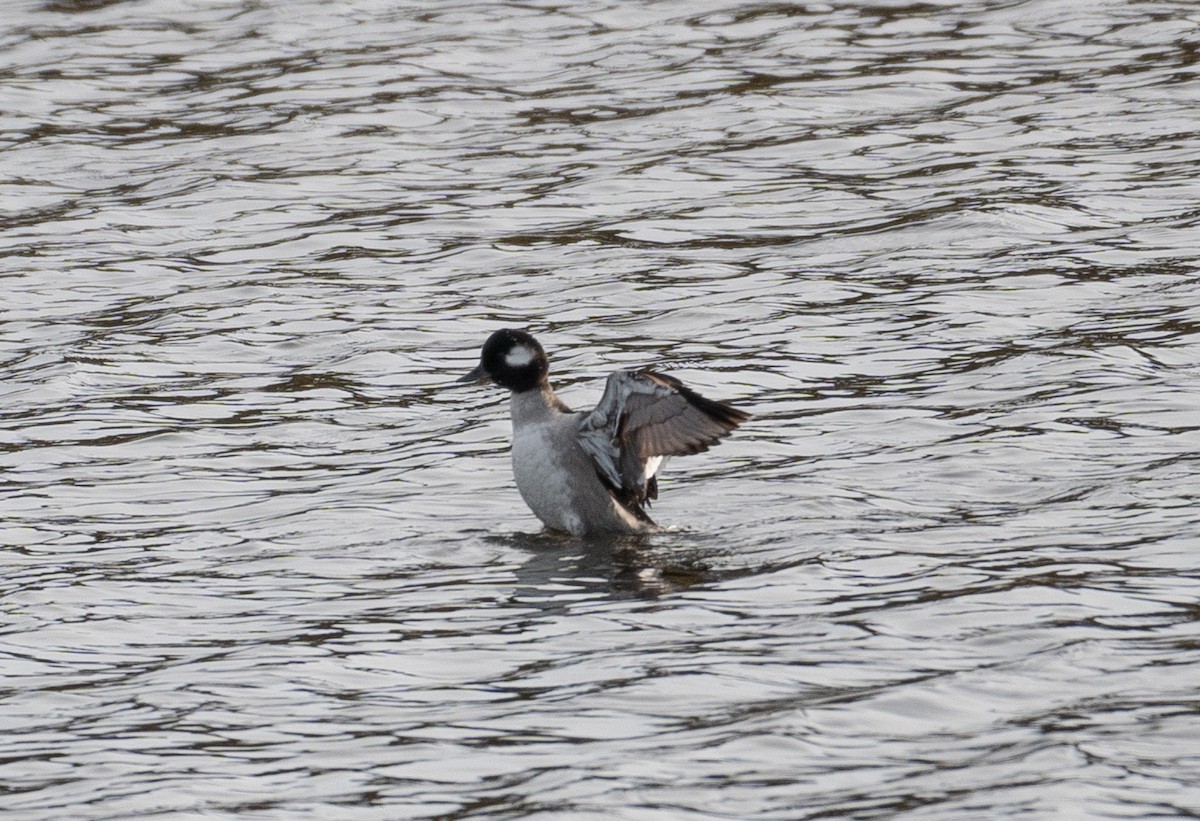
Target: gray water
261,561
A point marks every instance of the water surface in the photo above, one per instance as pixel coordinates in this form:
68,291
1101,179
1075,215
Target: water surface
261,561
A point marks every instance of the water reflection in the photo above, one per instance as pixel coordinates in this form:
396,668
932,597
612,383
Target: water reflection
561,569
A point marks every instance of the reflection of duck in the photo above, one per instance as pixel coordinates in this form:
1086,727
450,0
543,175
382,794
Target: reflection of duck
588,473
563,572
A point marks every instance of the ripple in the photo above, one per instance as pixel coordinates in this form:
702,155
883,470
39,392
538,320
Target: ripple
264,561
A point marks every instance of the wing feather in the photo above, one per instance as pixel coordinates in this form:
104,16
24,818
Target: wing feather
643,417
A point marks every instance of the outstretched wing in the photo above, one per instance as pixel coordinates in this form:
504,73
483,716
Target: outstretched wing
643,417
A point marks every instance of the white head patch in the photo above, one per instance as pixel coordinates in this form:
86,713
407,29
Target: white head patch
519,356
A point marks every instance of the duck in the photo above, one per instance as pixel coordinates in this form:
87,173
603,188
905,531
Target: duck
595,472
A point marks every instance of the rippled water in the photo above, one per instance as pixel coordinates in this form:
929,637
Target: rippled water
262,562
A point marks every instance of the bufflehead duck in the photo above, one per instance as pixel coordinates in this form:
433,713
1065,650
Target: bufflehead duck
595,472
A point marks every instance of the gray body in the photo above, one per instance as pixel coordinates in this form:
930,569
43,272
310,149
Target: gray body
556,477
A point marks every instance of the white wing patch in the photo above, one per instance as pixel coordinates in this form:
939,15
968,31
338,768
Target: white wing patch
651,468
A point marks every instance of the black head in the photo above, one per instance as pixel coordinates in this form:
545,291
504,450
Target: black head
512,359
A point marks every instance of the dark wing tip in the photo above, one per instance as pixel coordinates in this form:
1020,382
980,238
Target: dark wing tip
724,414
